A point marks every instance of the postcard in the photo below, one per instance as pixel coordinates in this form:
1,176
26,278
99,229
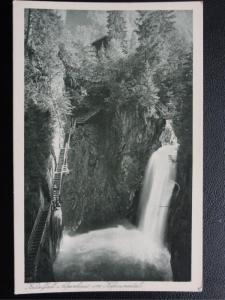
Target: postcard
108,146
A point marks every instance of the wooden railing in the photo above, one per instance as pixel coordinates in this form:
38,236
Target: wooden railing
34,228
44,234
35,256
62,171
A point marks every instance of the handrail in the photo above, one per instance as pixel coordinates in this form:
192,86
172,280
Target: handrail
71,131
66,148
68,142
40,210
46,223
42,240
60,184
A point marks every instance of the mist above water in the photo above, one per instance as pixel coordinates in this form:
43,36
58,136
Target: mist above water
111,254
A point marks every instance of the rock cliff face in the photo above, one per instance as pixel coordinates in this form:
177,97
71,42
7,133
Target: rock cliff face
179,225
107,160
180,215
38,137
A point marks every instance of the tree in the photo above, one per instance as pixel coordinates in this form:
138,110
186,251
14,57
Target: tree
43,69
133,42
153,28
183,118
116,25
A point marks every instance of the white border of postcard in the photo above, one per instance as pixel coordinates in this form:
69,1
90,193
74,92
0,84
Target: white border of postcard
197,192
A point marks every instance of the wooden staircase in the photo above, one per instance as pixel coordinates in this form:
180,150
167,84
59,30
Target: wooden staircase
43,218
42,222
34,245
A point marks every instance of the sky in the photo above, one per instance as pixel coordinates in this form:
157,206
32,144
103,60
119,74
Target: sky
91,25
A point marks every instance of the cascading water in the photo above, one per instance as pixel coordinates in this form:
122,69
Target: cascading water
121,253
158,187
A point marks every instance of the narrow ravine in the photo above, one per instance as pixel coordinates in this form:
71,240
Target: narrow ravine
125,252
125,198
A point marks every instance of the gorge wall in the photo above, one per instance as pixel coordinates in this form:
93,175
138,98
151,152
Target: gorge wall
180,217
107,160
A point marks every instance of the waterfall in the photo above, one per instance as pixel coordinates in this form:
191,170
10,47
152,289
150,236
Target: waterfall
124,252
158,186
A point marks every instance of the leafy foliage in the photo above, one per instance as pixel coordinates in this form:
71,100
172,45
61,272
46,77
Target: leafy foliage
43,69
153,31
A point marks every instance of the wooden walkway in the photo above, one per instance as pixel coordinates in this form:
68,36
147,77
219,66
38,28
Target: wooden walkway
43,219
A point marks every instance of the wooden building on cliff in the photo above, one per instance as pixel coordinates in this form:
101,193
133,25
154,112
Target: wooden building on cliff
101,44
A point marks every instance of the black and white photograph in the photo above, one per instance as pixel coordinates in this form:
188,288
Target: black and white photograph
108,146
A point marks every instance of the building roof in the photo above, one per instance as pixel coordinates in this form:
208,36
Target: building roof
103,41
